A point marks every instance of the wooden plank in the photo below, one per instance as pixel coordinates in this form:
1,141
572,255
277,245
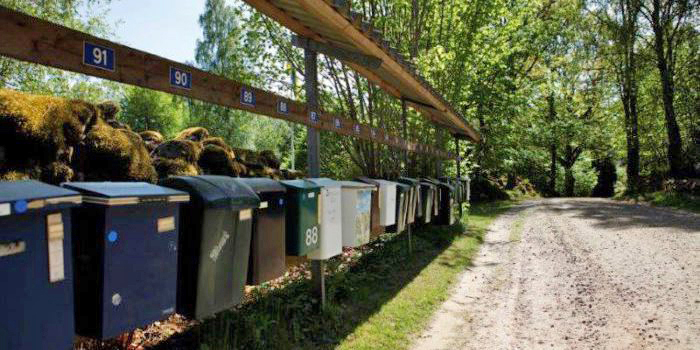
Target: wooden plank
30,39
339,53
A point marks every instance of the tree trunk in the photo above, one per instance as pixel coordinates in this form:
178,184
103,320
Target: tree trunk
553,171
569,181
664,62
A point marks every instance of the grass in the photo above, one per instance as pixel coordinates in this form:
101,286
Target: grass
516,229
377,297
670,199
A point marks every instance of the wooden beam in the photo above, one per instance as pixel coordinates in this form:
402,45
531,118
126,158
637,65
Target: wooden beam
339,53
329,16
31,39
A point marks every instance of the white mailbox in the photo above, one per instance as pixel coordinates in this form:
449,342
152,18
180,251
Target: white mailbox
357,202
387,202
330,219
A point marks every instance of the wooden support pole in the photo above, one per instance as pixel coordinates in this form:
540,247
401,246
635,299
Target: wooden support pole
313,158
459,172
404,124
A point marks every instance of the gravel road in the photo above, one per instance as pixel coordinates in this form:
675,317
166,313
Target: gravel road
578,274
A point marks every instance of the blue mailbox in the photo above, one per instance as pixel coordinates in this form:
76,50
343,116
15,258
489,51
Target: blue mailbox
36,297
125,255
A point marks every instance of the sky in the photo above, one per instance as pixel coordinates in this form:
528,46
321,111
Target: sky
158,26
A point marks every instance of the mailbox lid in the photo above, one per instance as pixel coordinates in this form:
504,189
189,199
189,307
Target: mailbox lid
325,182
213,191
18,197
125,193
262,185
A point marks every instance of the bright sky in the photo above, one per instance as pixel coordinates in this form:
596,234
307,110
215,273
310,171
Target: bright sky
167,28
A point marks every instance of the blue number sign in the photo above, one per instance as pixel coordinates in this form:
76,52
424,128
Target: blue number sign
283,107
314,117
98,56
357,128
336,121
247,97
374,133
180,78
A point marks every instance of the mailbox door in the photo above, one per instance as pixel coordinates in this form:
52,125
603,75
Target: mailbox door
140,266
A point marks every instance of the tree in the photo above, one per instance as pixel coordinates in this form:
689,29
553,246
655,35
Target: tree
144,109
667,19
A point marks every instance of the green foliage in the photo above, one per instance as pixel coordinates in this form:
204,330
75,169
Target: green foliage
144,109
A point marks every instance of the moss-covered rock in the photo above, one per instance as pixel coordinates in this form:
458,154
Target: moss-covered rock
174,167
38,130
113,154
216,160
268,158
196,133
188,151
152,139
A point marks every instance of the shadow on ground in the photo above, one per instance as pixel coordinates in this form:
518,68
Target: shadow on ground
286,318
609,214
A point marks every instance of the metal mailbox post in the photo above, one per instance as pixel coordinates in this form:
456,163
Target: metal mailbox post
357,205
214,243
267,251
36,298
125,251
302,222
330,236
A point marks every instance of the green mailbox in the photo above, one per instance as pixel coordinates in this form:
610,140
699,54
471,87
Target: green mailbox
302,222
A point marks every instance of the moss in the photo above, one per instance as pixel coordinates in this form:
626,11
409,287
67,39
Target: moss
196,133
37,130
216,160
185,150
151,138
111,154
109,110
269,158
245,155
289,174
15,175
56,173
174,167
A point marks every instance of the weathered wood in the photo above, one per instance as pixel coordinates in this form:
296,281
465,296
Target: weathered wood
339,53
31,39
331,18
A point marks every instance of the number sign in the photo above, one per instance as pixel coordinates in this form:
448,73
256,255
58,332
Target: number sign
374,133
98,56
314,117
282,107
247,97
180,78
357,128
336,122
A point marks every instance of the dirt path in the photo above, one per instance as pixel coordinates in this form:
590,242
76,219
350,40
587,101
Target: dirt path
578,274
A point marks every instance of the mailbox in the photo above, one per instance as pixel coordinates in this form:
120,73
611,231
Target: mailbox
403,193
267,251
125,239
36,297
427,192
214,243
387,202
330,217
302,221
414,202
376,228
357,203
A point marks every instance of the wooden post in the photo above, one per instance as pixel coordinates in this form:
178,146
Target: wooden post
404,124
313,159
459,172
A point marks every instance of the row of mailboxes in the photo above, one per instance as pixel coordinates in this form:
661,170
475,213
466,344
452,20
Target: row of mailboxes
123,255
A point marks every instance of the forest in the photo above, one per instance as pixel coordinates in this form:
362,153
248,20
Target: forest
571,97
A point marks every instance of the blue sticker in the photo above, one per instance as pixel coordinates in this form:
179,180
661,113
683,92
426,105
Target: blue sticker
281,201
247,97
98,56
112,236
180,78
20,206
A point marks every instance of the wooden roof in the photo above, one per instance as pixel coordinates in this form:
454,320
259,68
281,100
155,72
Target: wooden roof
331,22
